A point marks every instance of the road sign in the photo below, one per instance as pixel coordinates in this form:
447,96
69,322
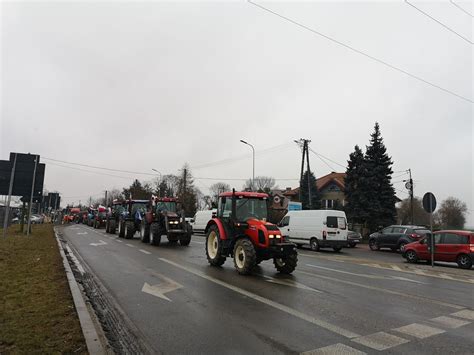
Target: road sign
429,202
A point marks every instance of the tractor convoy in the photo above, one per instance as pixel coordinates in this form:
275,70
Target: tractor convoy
240,229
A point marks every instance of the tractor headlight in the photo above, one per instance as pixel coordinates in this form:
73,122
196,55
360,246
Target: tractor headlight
271,236
277,236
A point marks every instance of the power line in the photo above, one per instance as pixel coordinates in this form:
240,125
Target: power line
90,171
332,161
329,166
460,8
439,22
361,52
99,167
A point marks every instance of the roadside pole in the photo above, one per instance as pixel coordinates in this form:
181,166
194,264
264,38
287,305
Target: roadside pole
31,196
7,207
429,204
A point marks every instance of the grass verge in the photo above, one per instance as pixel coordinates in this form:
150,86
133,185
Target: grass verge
37,313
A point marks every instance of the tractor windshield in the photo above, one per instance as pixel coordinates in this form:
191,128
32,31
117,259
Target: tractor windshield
138,207
251,208
165,206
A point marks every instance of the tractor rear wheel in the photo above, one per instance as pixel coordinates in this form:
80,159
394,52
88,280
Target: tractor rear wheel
145,232
214,247
245,256
155,234
112,226
286,265
129,229
121,229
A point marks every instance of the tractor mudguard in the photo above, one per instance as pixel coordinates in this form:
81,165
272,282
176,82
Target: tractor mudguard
219,225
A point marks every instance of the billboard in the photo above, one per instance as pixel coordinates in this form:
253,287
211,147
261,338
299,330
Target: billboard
23,179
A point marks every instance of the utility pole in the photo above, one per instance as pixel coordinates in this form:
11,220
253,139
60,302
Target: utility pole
105,198
185,176
409,186
304,144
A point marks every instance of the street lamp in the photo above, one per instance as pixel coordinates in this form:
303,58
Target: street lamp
253,166
156,171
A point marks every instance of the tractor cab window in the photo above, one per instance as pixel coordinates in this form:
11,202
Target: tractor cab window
165,206
138,207
251,208
225,207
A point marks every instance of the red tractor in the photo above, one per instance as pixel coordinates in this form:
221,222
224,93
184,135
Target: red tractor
240,230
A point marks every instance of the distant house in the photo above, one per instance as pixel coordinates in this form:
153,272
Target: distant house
330,187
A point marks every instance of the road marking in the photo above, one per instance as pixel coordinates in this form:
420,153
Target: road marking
446,276
466,314
395,267
346,272
328,326
81,233
449,322
380,341
197,242
75,260
407,279
407,295
101,242
144,251
130,245
290,283
420,331
335,349
159,290
118,240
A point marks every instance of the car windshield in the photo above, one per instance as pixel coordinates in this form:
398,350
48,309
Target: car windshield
251,208
165,206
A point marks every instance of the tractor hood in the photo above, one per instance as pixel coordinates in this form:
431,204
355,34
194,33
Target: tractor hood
172,214
258,224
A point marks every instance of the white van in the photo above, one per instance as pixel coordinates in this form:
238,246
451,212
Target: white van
200,220
316,228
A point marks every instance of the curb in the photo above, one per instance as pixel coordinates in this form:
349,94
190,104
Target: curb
94,345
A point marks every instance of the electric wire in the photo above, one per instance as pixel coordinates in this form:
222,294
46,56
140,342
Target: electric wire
329,166
332,161
361,52
439,22
460,8
90,171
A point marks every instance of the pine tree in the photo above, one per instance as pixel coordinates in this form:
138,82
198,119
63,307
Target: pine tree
356,188
186,192
381,195
315,195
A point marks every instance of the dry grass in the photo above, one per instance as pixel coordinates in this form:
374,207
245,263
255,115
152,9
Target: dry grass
37,313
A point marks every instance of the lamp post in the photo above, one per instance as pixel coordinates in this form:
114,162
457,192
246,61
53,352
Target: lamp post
253,165
156,171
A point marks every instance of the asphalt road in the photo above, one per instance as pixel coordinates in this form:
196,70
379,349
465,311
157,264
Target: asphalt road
356,301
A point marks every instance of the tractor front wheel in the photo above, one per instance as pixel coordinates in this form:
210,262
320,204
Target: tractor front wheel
112,226
185,239
214,247
245,256
121,229
155,234
287,264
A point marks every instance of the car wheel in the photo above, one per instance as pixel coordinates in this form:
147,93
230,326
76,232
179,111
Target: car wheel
314,244
337,249
352,245
373,245
464,261
411,256
401,245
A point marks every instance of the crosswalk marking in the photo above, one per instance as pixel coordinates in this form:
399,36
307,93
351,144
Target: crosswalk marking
420,331
380,341
466,314
335,349
449,322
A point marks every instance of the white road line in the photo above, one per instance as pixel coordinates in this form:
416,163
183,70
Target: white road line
466,314
335,349
449,322
420,331
118,240
197,242
395,267
144,251
130,245
328,326
75,260
402,294
380,341
346,272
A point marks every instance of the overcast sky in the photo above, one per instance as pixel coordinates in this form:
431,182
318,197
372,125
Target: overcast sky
142,85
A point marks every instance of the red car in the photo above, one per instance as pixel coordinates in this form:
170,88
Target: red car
450,246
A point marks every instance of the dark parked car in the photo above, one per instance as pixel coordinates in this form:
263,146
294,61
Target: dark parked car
394,237
353,238
450,246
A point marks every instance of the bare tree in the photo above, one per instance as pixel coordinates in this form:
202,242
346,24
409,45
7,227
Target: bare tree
420,216
452,213
216,189
261,184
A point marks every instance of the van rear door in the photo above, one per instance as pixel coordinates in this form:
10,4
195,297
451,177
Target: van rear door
334,227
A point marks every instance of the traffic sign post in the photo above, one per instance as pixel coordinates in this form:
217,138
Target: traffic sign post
429,204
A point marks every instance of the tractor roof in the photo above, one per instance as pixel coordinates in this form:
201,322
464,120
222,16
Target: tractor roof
166,199
247,194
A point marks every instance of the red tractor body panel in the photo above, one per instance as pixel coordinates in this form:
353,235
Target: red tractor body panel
219,225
